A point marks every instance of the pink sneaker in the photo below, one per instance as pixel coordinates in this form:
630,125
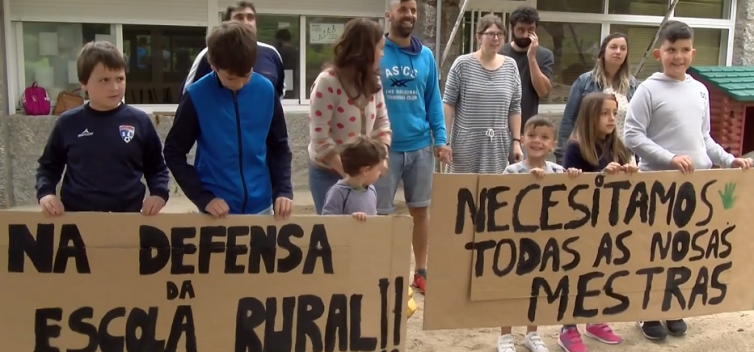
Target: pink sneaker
570,340
603,333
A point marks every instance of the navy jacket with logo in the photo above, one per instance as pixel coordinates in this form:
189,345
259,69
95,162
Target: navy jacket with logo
104,154
242,151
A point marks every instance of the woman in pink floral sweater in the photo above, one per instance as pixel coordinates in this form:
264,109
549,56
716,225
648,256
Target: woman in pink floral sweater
346,101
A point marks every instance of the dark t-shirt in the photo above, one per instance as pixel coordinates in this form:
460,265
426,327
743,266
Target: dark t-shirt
529,97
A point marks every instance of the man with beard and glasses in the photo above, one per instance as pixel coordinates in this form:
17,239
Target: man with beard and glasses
414,106
534,62
269,63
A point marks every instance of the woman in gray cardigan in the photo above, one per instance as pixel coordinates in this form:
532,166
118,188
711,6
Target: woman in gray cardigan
610,75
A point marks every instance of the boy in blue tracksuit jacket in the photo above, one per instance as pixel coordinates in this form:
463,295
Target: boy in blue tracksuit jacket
243,160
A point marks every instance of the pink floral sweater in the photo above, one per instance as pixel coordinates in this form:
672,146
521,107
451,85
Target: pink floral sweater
334,118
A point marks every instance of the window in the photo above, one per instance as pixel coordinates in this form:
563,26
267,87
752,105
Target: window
51,50
638,7
321,33
283,33
159,58
710,47
583,6
574,46
703,9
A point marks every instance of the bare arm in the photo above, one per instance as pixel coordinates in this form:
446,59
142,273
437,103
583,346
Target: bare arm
541,73
451,96
450,113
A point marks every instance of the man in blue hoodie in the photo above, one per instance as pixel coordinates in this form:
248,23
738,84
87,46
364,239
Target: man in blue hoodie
411,86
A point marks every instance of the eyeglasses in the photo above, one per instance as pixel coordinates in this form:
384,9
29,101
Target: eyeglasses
494,34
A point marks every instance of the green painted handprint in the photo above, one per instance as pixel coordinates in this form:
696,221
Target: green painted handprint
727,196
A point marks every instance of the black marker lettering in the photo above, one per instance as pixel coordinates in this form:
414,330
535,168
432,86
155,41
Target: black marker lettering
573,204
547,203
618,186
40,249
561,291
639,201
518,227
493,206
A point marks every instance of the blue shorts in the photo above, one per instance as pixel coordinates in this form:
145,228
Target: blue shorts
415,169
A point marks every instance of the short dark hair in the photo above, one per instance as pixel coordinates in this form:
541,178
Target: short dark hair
238,6
524,14
361,152
98,52
539,121
283,35
673,30
232,47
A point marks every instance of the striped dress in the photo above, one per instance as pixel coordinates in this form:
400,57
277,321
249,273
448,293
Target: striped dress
483,100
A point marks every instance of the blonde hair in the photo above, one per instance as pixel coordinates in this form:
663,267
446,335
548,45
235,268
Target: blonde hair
621,82
585,132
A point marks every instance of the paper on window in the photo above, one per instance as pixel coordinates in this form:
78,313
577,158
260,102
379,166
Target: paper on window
105,38
282,25
325,33
72,73
44,76
288,80
48,44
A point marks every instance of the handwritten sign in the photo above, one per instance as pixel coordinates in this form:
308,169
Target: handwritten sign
597,248
125,282
325,33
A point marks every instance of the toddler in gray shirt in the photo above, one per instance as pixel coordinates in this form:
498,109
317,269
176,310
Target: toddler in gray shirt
363,160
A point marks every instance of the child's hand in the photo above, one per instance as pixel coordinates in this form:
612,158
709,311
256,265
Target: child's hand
741,163
630,169
612,168
538,173
682,163
51,205
217,208
573,172
152,205
362,217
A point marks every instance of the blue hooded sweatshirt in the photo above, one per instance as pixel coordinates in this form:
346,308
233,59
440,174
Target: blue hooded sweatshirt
412,94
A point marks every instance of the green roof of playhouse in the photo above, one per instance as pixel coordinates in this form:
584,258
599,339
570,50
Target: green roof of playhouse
736,81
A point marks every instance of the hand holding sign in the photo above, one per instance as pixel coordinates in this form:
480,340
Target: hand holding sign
743,163
152,205
612,168
51,205
682,163
217,208
538,173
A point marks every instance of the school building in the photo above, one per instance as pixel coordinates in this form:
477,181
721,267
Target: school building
160,38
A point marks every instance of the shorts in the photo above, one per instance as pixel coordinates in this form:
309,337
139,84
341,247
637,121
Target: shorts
415,169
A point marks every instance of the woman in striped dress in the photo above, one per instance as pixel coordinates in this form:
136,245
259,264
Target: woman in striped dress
482,103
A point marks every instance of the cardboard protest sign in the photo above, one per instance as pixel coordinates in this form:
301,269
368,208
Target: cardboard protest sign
186,282
655,245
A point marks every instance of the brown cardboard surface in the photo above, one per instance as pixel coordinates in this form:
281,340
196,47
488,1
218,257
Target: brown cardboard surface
65,308
609,282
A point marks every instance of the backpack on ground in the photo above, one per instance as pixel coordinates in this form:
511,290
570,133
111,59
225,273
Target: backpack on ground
36,101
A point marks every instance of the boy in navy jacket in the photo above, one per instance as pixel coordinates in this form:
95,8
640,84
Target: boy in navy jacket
104,146
243,160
